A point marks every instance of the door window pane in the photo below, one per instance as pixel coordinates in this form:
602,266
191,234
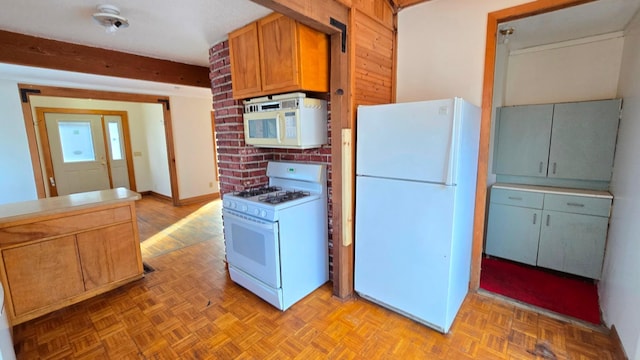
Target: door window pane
115,143
76,141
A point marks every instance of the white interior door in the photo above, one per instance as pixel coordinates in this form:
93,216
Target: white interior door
117,153
77,152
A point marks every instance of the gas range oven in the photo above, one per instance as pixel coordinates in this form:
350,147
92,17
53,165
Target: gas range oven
276,236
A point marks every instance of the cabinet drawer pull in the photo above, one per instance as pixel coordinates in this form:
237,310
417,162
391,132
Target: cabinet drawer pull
575,204
534,218
548,219
554,168
515,198
540,168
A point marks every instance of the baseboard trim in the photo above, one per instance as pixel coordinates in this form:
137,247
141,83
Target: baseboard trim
157,196
197,199
618,348
181,202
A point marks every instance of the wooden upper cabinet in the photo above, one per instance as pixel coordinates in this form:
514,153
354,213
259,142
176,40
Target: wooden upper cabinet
277,54
245,61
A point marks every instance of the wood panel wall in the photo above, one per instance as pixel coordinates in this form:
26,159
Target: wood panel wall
374,42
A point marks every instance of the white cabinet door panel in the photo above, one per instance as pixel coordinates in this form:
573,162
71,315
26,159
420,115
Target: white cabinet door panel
513,232
573,243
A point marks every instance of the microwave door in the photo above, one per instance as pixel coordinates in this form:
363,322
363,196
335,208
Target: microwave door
263,130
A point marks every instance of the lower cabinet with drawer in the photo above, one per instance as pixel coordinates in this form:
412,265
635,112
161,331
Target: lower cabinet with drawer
548,227
49,261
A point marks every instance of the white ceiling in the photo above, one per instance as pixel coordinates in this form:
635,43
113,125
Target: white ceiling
181,31
590,19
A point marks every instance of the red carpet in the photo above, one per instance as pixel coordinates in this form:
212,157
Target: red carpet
569,296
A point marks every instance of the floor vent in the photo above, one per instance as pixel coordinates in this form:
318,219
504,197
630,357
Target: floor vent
147,268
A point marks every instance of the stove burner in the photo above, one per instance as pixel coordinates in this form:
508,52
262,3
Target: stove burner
283,196
257,191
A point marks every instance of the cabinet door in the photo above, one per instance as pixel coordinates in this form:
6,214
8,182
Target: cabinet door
513,232
278,52
244,54
43,273
573,243
523,134
584,140
108,255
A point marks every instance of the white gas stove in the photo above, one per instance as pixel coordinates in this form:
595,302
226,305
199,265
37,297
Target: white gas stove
276,236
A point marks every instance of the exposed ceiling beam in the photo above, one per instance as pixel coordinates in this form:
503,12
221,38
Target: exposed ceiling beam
405,3
28,50
314,13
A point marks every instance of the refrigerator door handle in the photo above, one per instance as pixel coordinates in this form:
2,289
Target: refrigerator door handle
456,118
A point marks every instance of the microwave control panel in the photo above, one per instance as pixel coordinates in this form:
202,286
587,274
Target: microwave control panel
291,101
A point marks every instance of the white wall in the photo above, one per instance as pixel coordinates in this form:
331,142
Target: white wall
16,173
571,71
441,48
157,149
137,131
192,130
620,285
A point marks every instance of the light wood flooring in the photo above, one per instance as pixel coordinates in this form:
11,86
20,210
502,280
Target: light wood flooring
188,308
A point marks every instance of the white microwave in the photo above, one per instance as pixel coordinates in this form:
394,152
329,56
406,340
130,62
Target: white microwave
285,121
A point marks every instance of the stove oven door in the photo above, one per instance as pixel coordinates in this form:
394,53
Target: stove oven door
252,246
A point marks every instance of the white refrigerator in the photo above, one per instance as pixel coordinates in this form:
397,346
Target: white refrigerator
416,169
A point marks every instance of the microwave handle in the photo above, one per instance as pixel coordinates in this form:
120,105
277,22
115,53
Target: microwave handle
280,128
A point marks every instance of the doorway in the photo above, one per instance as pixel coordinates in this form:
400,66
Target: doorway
27,91
85,150
494,88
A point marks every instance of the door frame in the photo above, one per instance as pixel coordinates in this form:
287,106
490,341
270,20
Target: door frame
493,21
46,149
28,90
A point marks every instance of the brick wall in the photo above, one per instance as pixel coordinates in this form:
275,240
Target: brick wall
242,166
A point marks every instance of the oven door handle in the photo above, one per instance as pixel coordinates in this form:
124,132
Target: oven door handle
250,222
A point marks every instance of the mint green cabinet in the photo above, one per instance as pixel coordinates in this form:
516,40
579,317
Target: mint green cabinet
583,140
513,233
550,228
523,136
513,228
573,234
563,141
572,243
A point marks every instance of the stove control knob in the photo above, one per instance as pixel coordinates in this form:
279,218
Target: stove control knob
232,205
244,207
256,212
263,213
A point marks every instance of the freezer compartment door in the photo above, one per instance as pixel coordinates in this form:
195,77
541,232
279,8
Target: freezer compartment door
403,241
413,141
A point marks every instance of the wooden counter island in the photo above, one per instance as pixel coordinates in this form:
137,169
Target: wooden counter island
61,250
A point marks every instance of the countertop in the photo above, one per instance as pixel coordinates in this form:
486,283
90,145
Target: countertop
555,190
58,204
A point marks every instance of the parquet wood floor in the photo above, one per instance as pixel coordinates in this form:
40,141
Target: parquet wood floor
188,308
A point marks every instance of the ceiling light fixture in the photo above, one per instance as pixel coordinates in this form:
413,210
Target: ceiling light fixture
109,17
506,32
